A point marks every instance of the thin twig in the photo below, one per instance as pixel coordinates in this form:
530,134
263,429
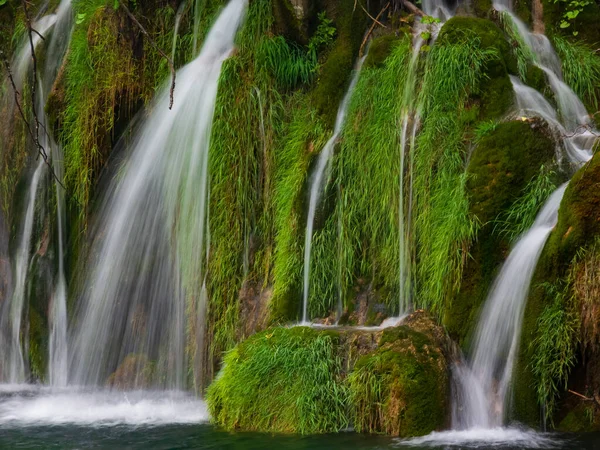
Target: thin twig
412,8
373,18
375,22
39,34
157,48
594,399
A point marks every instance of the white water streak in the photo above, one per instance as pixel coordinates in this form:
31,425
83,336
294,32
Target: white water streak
318,185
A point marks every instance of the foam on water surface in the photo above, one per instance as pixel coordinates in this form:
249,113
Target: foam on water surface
484,438
34,406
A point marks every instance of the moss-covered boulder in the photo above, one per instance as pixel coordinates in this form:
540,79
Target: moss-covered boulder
401,388
502,164
495,92
310,380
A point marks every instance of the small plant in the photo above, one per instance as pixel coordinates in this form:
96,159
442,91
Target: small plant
521,215
555,344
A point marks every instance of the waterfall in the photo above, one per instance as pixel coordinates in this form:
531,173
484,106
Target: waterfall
484,384
318,183
57,345
12,311
407,142
498,331
438,9
141,297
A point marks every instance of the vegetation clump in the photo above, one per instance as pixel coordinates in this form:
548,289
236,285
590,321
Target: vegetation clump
304,380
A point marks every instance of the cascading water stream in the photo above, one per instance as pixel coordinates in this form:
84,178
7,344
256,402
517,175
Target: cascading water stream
141,300
407,141
318,183
178,17
487,382
16,364
483,385
12,314
57,344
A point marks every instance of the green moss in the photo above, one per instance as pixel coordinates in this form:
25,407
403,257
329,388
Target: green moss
400,389
379,49
305,380
536,78
285,380
495,89
582,419
335,71
499,172
481,8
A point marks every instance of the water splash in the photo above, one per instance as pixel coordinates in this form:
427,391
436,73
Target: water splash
152,234
318,185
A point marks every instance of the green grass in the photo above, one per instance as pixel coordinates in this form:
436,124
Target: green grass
524,55
555,345
581,70
367,169
285,380
522,213
443,226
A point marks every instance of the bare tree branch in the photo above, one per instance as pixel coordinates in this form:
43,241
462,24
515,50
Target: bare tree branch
375,22
157,48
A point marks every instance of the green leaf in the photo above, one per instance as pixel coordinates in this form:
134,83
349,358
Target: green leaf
80,18
3,2
564,24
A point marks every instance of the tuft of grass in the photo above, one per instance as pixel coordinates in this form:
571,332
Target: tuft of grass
443,226
523,53
284,380
522,213
581,69
555,345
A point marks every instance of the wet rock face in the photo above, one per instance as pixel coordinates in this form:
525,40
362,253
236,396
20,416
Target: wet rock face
301,8
319,380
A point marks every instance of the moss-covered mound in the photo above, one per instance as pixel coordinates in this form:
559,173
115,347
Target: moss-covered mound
504,162
495,90
306,380
401,388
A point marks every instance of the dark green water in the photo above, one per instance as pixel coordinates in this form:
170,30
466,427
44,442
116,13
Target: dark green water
207,437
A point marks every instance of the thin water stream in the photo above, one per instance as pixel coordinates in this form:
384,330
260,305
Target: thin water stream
318,184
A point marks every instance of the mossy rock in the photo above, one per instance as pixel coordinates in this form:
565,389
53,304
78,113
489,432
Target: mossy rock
498,172
306,380
335,72
481,8
284,380
401,389
578,217
379,49
136,371
584,418
495,91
